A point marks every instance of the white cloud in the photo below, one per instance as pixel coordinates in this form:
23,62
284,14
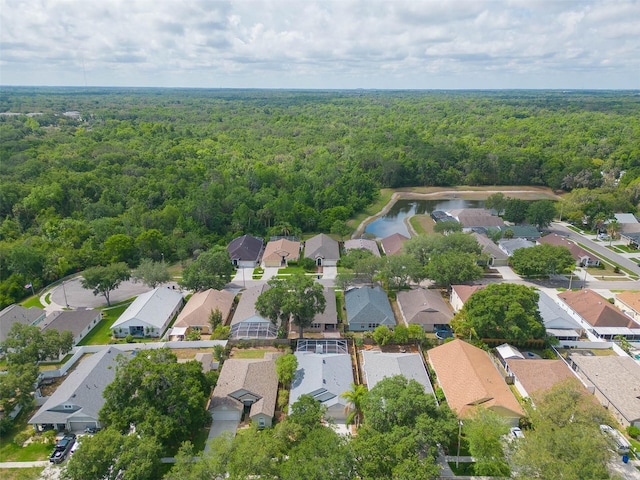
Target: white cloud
322,43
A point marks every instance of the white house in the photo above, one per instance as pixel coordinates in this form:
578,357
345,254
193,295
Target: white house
150,314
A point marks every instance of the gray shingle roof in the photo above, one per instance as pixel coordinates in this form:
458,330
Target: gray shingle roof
368,305
379,365
322,246
74,321
553,315
424,307
510,246
362,244
245,248
324,376
17,314
82,389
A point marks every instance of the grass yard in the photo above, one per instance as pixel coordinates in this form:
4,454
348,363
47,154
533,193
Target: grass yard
383,199
101,333
249,353
32,473
33,301
34,451
422,224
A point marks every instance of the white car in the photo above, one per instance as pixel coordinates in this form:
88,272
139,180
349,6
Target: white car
516,432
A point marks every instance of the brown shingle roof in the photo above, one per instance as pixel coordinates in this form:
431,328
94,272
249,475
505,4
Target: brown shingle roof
596,310
630,299
257,376
469,378
577,252
476,217
424,307
277,249
465,291
392,245
539,375
197,310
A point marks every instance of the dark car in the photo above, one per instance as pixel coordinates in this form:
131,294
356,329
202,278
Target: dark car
62,448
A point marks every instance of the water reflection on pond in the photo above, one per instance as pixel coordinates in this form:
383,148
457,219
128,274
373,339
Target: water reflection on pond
394,220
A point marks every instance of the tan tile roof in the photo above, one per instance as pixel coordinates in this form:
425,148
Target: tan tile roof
277,249
539,375
630,299
469,378
424,307
596,310
257,376
476,217
197,310
392,245
465,291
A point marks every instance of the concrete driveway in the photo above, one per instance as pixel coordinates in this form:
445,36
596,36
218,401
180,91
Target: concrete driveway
220,427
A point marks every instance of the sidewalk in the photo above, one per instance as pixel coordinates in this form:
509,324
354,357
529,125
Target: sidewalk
43,463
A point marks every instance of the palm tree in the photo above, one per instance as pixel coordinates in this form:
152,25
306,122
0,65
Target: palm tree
355,401
613,229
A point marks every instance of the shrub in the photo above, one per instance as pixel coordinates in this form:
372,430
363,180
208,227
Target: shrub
129,339
633,431
21,437
283,398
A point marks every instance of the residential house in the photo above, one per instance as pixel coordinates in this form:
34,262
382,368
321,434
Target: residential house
18,314
78,322
629,228
615,381
378,365
245,251
362,244
326,321
368,308
150,314
246,383
393,244
598,315
323,250
424,307
469,379
495,256
580,255
629,303
247,322
556,320
511,245
278,253
196,313
476,217
532,377
324,376
460,294
76,403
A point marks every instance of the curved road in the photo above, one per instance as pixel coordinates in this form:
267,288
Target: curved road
597,247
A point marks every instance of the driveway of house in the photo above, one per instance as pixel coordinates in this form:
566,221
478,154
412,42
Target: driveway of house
219,427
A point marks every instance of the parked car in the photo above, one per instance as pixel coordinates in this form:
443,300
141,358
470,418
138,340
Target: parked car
516,432
62,448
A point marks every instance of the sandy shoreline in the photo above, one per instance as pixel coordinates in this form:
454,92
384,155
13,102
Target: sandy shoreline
465,193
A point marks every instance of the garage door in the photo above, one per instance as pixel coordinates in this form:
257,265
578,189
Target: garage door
80,426
223,415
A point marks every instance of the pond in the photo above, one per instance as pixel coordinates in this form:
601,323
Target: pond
394,220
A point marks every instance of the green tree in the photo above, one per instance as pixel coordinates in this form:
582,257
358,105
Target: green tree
355,400
448,226
212,269
120,248
345,279
28,344
515,210
112,455
152,244
286,366
307,412
215,318
398,270
565,439
496,201
501,310
297,297
151,273
453,267
613,230
541,213
485,433
104,280
542,260
382,335
161,397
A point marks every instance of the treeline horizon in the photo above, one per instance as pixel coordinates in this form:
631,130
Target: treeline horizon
168,173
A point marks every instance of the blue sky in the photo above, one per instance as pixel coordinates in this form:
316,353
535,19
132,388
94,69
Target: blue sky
417,44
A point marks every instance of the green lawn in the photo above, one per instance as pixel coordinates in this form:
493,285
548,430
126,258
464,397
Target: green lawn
11,452
249,353
33,301
32,473
383,199
101,333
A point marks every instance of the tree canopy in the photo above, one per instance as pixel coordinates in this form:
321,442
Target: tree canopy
104,280
542,260
505,311
212,269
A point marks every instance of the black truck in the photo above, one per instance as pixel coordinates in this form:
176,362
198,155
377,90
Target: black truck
62,448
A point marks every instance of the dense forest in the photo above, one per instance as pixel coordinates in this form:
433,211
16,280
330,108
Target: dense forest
96,175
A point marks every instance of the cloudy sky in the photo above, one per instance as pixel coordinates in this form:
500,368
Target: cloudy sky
392,44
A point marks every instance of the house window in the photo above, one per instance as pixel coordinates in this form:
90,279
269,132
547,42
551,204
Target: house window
68,407
373,326
261,422
315,325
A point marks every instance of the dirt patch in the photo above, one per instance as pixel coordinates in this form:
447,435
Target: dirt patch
189,353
